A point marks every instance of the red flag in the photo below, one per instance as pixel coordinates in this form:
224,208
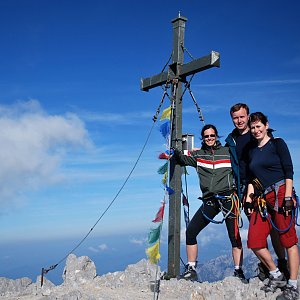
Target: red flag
185,200
160,214
163,156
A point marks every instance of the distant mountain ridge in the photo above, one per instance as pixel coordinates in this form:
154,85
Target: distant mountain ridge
218,268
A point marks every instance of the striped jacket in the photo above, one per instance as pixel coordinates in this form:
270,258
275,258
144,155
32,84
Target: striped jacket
213,167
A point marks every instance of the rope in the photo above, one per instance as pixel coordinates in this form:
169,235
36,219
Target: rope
166,63
52,267
226,212
278,229
184,49
237,203
160,104
196,104
186,212
262,207
187,86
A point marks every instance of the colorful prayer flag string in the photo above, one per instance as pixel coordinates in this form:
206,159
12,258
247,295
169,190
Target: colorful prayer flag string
155,233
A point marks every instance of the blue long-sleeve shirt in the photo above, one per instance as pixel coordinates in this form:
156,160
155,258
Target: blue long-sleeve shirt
271,163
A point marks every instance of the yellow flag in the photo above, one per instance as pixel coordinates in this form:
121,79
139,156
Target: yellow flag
153,253
164,179
166,114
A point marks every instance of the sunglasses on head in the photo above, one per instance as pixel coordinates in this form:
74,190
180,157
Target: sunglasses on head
209,135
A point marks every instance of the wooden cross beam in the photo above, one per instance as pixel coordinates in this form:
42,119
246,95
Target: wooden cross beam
181,72
176,75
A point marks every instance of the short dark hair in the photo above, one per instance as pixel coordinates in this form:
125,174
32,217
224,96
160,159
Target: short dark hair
238,106
258,116
208,126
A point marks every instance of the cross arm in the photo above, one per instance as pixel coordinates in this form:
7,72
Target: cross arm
200,64
153,81
195,66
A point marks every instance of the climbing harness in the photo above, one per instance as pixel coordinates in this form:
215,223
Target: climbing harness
220,200
263,205
263,211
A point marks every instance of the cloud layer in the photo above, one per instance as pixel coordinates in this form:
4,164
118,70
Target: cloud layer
33,146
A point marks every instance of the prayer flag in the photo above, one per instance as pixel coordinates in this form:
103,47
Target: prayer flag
166,113
165,129
169,190
154,235
160,214
163,169
185,200
164,179
163,155
153,253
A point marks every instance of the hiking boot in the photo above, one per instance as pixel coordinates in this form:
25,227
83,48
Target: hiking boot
274,283
289,293
283,267
190,273
240,275
263,271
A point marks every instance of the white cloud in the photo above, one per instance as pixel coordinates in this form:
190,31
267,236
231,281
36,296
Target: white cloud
33,146
93,249
99,248
103,247
137,241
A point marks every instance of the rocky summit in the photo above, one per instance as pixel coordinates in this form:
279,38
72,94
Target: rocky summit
80,281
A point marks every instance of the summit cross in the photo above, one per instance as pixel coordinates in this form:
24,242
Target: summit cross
176,75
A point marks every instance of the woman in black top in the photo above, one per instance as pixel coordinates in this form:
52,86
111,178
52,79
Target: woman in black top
270,201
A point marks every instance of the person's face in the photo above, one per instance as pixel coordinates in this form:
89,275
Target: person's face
240,119
209,137
259,130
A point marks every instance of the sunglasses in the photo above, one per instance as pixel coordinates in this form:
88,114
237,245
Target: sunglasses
209,135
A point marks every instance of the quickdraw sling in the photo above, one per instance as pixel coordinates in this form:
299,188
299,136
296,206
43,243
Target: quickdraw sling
220,200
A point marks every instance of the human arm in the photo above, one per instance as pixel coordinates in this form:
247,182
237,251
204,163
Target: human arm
184,160
285,158
287,167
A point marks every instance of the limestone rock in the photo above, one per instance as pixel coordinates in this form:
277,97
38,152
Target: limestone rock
81,283
10,286
78,270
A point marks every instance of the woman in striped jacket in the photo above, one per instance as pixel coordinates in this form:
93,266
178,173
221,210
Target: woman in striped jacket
213,166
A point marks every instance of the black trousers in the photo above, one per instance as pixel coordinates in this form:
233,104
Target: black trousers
208,210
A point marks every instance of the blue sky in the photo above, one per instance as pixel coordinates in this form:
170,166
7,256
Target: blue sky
73,119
